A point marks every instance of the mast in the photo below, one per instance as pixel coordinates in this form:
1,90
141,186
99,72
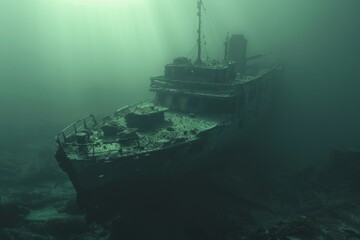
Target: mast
199,5
226,43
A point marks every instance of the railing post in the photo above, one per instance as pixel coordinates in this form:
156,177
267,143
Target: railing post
85,125
93,119
64,136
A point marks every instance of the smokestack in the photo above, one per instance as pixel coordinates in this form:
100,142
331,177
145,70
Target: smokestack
237,52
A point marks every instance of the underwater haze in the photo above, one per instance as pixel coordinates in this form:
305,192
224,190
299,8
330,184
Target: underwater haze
61,60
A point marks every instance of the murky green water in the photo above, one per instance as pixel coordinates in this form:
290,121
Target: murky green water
63,59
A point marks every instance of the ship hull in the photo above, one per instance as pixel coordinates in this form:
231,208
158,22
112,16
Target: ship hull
92,176
106,181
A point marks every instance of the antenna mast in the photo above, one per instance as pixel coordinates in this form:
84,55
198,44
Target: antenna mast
226,43
198,60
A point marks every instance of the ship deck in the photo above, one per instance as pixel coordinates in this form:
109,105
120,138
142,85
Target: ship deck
176,128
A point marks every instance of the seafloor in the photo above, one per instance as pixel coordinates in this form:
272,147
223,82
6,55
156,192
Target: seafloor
248,198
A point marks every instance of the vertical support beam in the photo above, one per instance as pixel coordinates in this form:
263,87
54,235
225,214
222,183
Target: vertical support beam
198,60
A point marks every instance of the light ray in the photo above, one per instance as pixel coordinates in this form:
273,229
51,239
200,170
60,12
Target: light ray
106,2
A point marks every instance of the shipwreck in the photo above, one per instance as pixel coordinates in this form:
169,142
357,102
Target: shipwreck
199,108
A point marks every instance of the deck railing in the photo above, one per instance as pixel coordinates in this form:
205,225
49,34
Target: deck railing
67,136
158,83
89,149
80,125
